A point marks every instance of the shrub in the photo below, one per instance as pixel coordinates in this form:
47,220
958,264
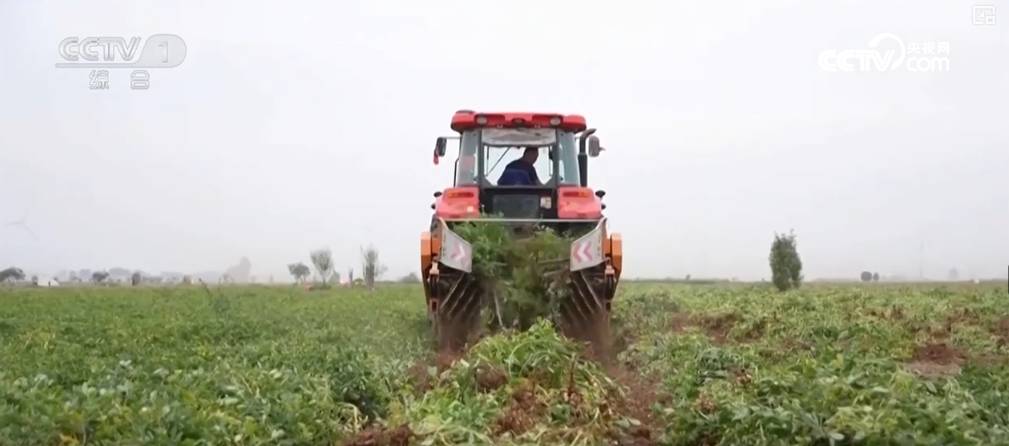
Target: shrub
786,266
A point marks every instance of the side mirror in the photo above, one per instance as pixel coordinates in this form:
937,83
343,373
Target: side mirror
437,194
600,193
593,146
439,146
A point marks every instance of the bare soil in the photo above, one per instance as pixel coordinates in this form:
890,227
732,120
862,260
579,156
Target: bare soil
420,378
939,353
418,373
523,409
935,360
679,322
1002,331
490,378
382,436
718,326
642,393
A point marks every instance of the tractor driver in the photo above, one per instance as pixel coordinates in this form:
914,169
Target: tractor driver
522,172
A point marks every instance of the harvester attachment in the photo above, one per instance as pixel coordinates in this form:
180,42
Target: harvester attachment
593,276
456,297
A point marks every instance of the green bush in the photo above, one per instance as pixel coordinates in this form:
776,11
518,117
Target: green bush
786,266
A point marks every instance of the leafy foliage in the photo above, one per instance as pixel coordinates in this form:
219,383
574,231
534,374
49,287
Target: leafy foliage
524,276
830,366
786,266
299,271
11,273
99,276
170,366
322,259
371,266
734,364
522,387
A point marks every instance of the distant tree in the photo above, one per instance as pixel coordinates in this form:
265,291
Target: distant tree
299,270
875,277
866,276
786,266
99,276
410,278
334,278
687,278
322,259
12,273
372,268
135,278
35,280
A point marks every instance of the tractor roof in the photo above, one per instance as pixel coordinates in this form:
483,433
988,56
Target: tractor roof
468,119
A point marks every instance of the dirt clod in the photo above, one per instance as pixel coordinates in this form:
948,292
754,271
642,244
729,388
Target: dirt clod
522,411
705,405
490,378
636,403
718,326
936,360
939,353
419,376
896,313
679,322
382,436
400,436
1002,331
445,359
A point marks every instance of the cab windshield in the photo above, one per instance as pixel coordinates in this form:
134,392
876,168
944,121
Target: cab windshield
499,157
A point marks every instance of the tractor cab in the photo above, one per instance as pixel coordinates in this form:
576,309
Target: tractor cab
519,167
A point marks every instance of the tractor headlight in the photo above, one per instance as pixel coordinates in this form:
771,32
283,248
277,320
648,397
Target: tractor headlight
546,202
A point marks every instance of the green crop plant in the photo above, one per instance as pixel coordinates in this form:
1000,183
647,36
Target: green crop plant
699,364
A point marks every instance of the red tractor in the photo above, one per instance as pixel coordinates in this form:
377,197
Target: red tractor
523,170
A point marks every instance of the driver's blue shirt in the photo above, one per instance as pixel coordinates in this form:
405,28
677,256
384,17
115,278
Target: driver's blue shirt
522,166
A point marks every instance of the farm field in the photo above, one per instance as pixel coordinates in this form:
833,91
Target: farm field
691,364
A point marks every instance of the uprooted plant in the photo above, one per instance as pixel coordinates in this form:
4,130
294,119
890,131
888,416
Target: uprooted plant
523,277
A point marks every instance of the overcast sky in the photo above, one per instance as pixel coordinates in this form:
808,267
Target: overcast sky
297,125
